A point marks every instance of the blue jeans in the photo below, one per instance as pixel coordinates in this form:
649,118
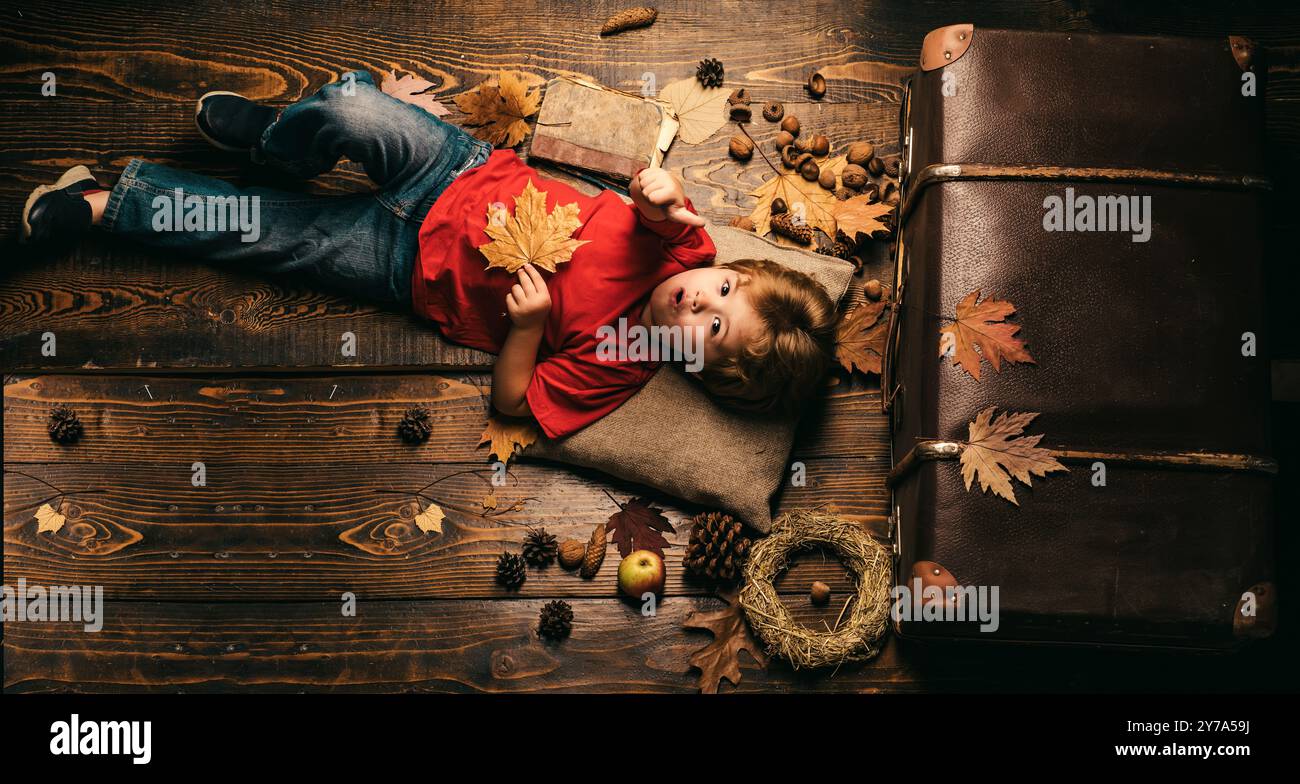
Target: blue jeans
363,245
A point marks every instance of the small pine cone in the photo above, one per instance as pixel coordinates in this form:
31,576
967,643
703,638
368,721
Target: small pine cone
511,571
717,547
785,225
556,620
837,249
710,72
64,425
540,547
416,425
629,19
595,555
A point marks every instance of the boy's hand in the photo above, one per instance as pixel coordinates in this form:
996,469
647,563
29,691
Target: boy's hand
659,196
529,302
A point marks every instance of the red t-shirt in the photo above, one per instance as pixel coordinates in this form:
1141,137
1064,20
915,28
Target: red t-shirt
607,279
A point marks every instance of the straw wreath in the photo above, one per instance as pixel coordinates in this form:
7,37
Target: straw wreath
868,560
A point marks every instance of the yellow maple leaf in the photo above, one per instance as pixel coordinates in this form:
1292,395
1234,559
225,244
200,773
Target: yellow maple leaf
500,106
698,109
48,520
430,520
808,200
859,216
508,436
531,236
994,454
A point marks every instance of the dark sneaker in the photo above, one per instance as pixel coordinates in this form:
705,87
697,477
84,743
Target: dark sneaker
230,121
59,211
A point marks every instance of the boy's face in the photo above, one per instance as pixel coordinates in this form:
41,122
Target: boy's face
709,302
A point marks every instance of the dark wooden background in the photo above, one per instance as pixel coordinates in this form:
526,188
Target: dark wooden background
236,585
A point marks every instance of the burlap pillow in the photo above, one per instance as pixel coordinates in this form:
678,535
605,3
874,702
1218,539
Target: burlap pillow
741,459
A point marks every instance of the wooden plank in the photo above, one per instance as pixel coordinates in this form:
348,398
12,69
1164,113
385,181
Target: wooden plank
262,532
491,646
323,420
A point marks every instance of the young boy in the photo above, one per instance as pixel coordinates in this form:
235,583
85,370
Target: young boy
765,332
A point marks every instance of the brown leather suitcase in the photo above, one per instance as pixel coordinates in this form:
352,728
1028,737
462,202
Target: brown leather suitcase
1143,373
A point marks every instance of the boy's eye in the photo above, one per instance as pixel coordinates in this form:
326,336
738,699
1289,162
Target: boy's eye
717,324
726,287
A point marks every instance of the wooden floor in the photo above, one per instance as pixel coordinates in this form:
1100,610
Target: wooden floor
236,585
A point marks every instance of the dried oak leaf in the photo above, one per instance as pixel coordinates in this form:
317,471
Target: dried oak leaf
508,436
861,335
698,109
531,236
411,89
994,454
430,520
721,658
48,520
639,526
981,325
500,106
808,200
858,216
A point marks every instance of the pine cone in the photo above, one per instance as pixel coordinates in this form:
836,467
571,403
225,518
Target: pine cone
511,571
416,425
717,547
540,547
595,553
556,620
64,425
784,224
837,249
710,72
628,19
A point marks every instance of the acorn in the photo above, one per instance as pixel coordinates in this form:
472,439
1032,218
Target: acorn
739,97
873,290
788,156
799,159
816,84
820,592
819,145
854,176
740,112
791,125
743,222
742,149
875,167
860,152
773,111
571,553
779,206
809,171
827,179
783,139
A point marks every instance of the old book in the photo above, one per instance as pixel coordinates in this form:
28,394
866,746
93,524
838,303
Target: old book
598,129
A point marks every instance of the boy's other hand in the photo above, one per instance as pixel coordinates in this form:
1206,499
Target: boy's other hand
659,196
529,301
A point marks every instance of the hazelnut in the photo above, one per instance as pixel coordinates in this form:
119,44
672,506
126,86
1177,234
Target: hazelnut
875,167
820,593
571,553
854,176
788,156
827,179
791,125
773,111
860,152
742,149
778,206
873,290
743,222
809,171
801,145
816,84
783,139
819,145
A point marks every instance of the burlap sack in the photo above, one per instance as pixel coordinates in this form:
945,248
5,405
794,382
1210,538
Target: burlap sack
671,435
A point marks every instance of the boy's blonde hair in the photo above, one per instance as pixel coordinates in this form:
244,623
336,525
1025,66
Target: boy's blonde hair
783,363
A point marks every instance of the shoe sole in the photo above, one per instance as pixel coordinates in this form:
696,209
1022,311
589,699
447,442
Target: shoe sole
75,174
198,109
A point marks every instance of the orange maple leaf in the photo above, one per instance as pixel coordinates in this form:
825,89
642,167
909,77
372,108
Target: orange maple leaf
981,325
501,106
860,337
508,436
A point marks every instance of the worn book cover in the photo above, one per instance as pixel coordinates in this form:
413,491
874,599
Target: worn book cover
595,128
